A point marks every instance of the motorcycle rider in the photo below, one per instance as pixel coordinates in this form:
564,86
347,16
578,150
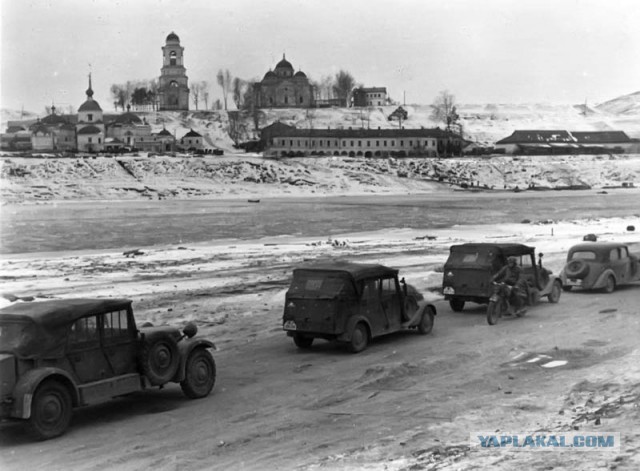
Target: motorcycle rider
511,274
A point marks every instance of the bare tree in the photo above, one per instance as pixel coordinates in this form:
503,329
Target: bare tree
342,85
224,80
238,87
217,105
205,97
444,109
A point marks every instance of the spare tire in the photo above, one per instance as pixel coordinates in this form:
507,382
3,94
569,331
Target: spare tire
160,360
577,269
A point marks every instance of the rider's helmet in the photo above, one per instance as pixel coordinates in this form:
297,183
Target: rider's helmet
512,261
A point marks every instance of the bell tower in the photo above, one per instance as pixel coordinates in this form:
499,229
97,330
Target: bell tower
173,89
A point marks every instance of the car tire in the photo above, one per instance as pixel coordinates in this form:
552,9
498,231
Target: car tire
359,338
302,341
556,292
426,321
494,312
610,284
577,269
51,410
160,360
456,304
199,375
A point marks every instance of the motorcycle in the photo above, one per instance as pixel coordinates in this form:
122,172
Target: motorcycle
499,304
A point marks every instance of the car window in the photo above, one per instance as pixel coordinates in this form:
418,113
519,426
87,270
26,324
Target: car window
84,330
116,325
371,290
624,252
318,285
583,255
389,287
613,255
470,258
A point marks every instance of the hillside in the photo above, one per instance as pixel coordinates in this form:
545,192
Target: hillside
483,123
143,177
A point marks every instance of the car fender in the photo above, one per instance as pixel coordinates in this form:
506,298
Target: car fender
353,320
417,316
29,382
601,281
185,348
549,286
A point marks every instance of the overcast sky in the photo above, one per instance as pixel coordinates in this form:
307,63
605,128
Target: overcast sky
482,51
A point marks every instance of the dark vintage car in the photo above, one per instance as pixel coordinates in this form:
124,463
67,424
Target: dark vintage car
470,267
60,354
352,303
599,265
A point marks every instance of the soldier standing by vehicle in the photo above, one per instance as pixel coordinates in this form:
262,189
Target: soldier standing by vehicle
511,274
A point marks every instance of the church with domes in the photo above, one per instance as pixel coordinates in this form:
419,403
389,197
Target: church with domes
284,88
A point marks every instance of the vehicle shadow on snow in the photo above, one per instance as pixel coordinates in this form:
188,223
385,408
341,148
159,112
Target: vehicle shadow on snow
392,340
122,409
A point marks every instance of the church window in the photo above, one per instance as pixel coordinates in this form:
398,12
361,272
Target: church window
172,58
286,99
90,140
359,143
282,141
301,100
393,143
385,143
344,143
174,83
99,140
401,143
351,143
291,143
90,117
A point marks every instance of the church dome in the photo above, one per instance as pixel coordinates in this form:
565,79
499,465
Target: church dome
173,37
90,105
284,64
300,74
269,75
128,118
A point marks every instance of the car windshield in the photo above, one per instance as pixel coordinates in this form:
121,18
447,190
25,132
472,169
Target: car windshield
583,255
320,285
14,334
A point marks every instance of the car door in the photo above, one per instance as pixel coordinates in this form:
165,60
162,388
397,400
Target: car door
390,299
84,350
119,341
622,266
371,306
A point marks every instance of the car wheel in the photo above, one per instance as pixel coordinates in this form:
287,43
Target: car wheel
359,338
426,321
302,341
556,291
494,310
577,269
51,410
457,304
160,360
200,374
610,286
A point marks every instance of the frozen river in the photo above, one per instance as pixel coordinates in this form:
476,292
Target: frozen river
105,225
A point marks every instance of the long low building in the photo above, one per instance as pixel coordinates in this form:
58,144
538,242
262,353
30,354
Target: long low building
567,142
282,140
